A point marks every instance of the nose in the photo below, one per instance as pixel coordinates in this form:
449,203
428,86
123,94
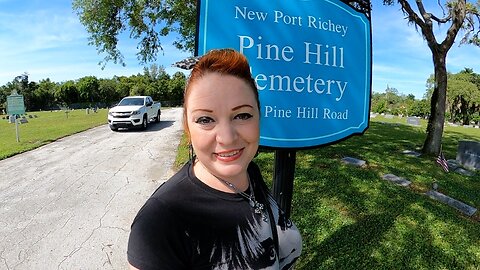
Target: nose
226,133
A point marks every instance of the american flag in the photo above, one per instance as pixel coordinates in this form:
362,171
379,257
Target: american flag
442,161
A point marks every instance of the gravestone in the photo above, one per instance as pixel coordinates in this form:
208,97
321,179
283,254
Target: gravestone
468,154
411,153
460,206
397,180
414,121
389,116
354,161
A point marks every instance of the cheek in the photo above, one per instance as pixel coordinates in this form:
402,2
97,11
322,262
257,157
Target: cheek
201,139
251,133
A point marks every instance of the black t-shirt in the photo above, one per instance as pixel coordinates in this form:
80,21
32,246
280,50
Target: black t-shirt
186,224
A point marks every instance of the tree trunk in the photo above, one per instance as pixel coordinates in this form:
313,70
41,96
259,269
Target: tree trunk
433,141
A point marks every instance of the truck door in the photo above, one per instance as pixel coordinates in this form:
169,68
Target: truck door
150,109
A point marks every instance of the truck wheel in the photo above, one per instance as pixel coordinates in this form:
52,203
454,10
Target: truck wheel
157,119
144,123
114,128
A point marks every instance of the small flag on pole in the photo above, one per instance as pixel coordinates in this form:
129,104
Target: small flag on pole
442,161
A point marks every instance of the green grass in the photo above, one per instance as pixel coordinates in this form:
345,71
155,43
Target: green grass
45,128
352,219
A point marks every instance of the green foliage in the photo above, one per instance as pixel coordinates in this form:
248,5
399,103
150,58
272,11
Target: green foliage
88,88
147,21
398,104
463,96
90,91
67,93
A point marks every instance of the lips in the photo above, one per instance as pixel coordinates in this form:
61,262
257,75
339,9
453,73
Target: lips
229,155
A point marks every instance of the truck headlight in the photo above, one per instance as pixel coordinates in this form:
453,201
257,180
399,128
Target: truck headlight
110,113
135,112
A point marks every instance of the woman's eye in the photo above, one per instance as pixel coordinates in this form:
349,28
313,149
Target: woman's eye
243,116
204,120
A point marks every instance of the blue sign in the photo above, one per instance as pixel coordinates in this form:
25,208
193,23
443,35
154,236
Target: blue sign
311,60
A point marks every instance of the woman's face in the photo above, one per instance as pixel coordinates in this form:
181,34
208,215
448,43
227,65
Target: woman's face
223,120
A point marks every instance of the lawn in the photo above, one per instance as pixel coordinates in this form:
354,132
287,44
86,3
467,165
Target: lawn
45,127
352,219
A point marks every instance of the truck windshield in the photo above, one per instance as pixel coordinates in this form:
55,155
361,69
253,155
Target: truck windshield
131,101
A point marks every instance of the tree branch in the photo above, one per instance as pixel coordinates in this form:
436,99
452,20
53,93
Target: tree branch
458,13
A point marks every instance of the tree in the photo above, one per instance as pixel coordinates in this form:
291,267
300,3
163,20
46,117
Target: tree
460,16
463,96
176,87
88,89
67,93
147,21
107,91
43,96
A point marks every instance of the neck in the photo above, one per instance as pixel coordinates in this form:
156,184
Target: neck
215,181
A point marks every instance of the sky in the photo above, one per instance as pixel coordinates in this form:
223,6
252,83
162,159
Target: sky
46,40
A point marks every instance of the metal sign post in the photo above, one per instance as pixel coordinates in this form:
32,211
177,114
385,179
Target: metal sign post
283,175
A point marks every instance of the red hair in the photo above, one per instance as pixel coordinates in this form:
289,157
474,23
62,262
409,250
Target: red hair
225,62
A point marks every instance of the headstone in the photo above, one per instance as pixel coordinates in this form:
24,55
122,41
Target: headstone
462,171
23,120
462,207
468,154
452,164
414,121
411,153
396,180
389,116
354,161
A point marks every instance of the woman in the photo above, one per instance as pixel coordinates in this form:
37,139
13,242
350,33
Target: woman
216,212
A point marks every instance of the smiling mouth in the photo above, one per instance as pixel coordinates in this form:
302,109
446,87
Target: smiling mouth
229,155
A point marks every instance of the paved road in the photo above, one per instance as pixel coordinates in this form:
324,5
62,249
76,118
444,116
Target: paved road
69,204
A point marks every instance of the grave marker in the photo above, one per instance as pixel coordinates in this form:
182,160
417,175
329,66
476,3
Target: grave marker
414,121
468,154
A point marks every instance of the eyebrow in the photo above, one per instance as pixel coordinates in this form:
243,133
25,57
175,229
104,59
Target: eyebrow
241,106
233,109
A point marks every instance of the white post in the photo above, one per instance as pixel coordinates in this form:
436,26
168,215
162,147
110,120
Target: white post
16,128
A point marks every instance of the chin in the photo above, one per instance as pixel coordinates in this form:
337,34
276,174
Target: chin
229,170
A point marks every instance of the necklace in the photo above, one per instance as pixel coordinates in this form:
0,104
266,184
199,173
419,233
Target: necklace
257,207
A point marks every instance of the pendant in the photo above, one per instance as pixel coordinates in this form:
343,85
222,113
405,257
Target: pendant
258,209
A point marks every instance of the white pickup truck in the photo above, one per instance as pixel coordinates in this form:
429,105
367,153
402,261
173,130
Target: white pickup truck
134,111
